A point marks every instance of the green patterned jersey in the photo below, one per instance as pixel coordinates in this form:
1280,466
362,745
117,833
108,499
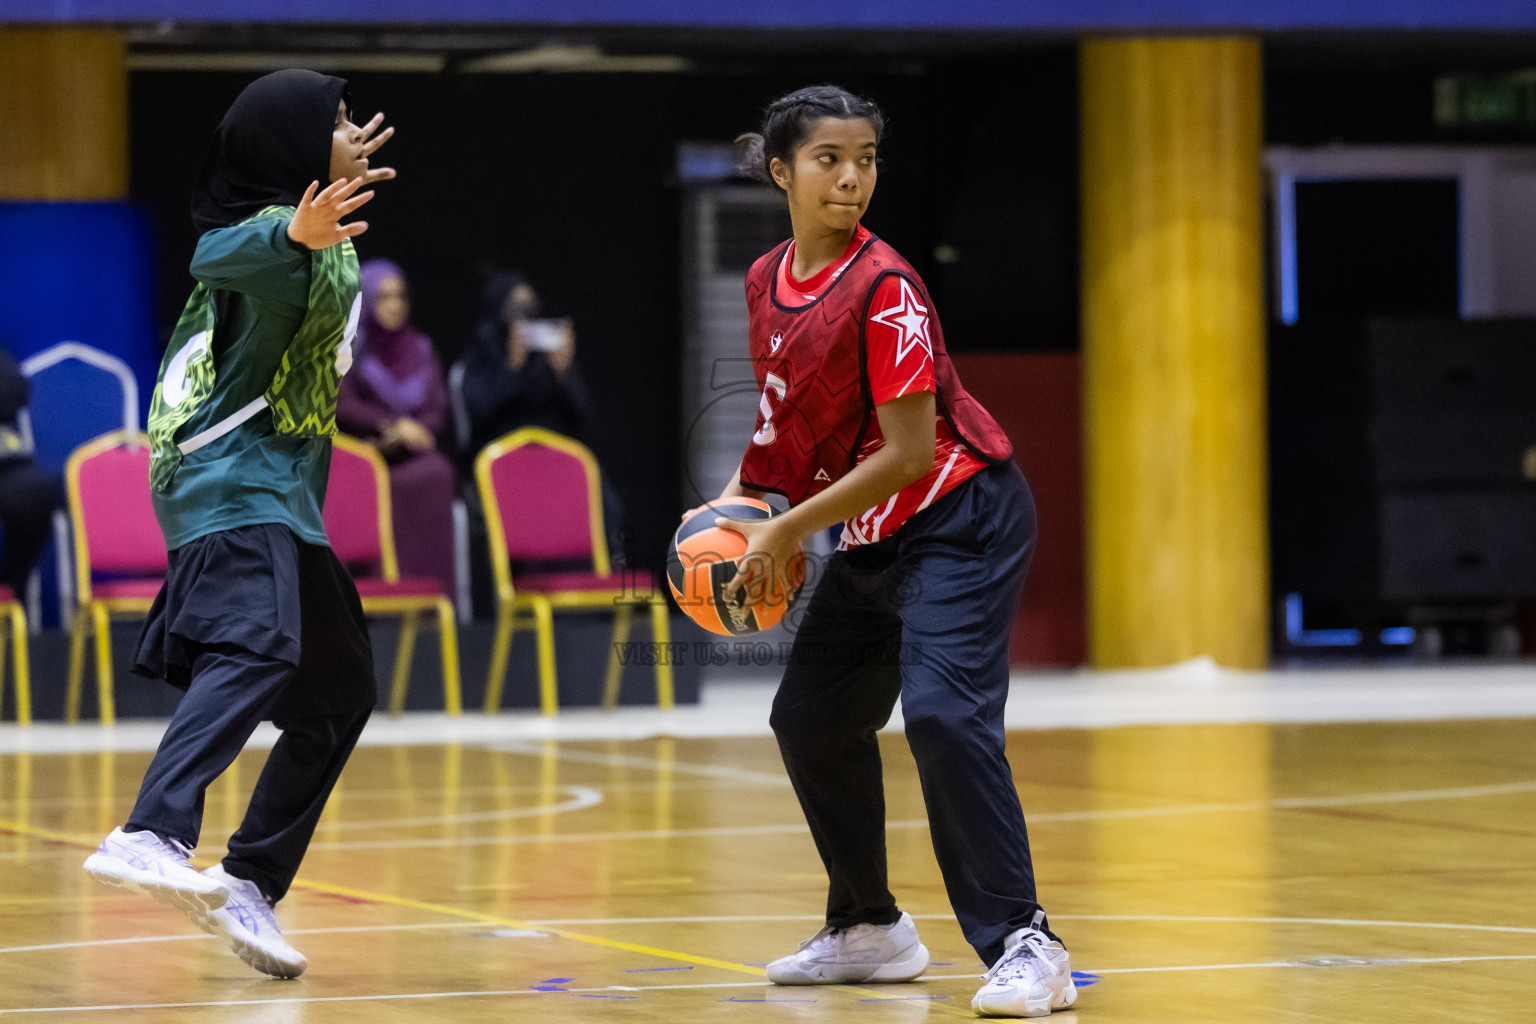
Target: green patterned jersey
303,392
241,435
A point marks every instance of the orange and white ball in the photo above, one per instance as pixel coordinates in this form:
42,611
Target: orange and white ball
704,557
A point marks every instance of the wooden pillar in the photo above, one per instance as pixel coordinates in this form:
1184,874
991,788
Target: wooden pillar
63,114
1173,351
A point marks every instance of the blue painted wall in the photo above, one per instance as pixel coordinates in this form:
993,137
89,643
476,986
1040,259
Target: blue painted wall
81,272
1020,15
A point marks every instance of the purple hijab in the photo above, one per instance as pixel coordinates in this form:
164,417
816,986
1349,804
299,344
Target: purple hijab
395,367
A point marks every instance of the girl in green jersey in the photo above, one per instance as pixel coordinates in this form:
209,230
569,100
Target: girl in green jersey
257,618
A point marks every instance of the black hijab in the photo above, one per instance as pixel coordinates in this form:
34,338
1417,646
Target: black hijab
274,141
491,330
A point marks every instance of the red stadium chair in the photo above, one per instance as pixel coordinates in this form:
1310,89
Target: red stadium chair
543,503
358,522
120,559
13,628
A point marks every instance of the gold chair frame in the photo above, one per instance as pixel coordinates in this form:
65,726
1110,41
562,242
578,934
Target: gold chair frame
407,607
535,611
94,615
13,630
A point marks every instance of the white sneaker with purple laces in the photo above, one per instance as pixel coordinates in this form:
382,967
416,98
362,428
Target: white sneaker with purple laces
145,863
1033,978
248,923
853,956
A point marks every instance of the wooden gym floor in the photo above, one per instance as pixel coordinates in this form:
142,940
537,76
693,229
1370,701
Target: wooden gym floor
1364,871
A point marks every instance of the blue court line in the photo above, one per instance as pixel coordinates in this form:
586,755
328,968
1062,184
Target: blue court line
653,970
734,999
551,984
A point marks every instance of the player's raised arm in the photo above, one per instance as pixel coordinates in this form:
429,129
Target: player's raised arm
316,222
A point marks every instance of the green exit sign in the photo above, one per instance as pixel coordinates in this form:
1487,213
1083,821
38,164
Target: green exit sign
1492,101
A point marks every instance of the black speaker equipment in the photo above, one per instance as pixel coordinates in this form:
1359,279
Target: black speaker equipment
1403,461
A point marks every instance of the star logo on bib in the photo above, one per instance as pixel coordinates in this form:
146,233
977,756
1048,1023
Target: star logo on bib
909,319
775,341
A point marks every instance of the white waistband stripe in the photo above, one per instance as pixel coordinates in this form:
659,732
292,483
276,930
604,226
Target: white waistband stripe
222,427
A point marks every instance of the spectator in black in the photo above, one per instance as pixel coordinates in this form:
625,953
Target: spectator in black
28,496
520,371
509,381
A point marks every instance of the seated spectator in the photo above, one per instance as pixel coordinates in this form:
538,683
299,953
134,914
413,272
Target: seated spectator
28,496
515,377
509,383
394,397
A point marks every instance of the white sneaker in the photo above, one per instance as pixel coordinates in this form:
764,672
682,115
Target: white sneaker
250,926
852,956
144,863
1033,978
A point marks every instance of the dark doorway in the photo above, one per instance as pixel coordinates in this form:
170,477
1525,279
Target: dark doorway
1384,247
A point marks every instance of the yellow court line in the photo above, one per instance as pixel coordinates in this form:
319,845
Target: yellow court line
33,832
438,908
593,940
507,922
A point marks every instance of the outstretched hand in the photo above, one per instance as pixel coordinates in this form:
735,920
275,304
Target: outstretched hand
316,224
373,141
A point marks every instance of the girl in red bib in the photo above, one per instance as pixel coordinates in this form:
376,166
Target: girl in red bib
863,421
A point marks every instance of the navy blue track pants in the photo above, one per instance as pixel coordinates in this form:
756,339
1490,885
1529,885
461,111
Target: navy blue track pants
256,625
924,615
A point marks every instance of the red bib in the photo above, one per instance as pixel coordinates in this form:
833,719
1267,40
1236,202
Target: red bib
865,337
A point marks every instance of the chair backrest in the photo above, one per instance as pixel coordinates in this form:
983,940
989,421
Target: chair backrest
357,512
543,500
109,505
77,393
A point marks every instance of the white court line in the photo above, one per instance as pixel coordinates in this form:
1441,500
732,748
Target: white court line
723,772
1346,922
1297,802
1283,803
1194,693
1339,921
359,795
724,985
199,936
726,831
586,837
1409,795
759,918
1362,962
707,919
581,797
273,1002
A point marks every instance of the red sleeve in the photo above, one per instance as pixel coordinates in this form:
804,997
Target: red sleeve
897,351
